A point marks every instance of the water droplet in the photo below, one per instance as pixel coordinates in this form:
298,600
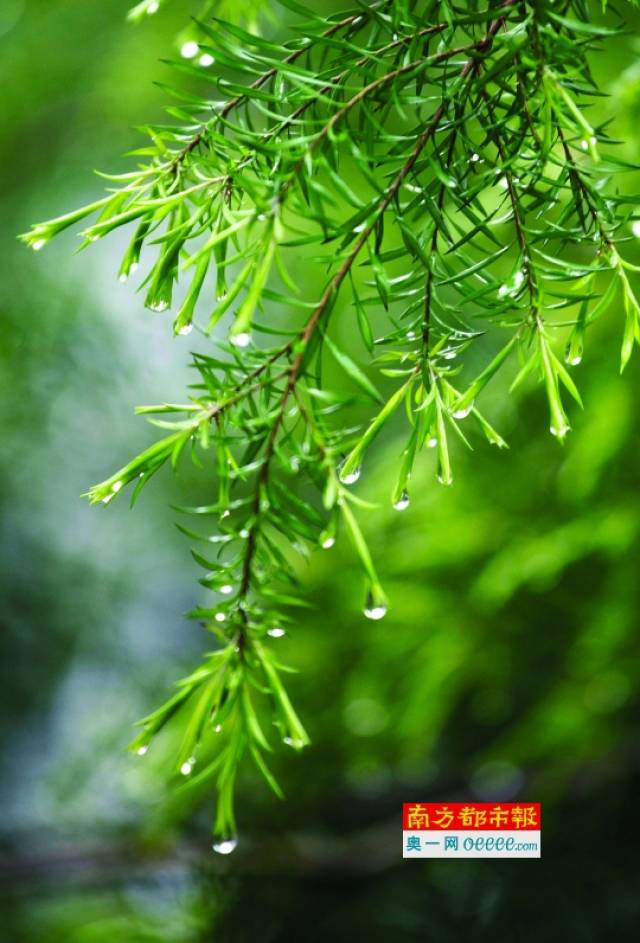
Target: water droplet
584,145
463,413
243,339
411,335
123,277
445,480
559,431
244,533
403,502
593,140
224,515
206,60
290,742
276,632
635,228
226,589
218,728
375,612
38,244
142,750
219,617
158,306
153,7
575,361
504,183
503,290
186,329
449,354
224,846
107,498
189,49
475,158
133,268
187,766
518,278
351,477
328,543
432,442
116,486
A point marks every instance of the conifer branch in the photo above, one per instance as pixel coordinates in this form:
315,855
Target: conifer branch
367,155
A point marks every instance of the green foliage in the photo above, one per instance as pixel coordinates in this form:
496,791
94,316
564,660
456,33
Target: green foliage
466,136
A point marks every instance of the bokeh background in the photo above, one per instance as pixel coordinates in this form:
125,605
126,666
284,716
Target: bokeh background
507,667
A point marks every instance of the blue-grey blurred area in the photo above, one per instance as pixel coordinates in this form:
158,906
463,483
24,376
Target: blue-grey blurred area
507,667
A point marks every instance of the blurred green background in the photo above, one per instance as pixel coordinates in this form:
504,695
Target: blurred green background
507,667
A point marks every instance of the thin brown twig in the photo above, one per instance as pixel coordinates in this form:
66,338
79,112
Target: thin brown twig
259,82
330,291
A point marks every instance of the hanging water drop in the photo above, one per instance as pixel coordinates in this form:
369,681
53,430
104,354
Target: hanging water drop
142,750
38,244
432,442
403,502
206,60
463,413
189,49
351,477
218,728
153,7
158,306
186,329
475,158
224,846
328,543
584,145
635,228
375,612
226,589
276,632
559,431
243,339
187,766
123,277
219,616
375,606
445,480
291,742
116,486
107,498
